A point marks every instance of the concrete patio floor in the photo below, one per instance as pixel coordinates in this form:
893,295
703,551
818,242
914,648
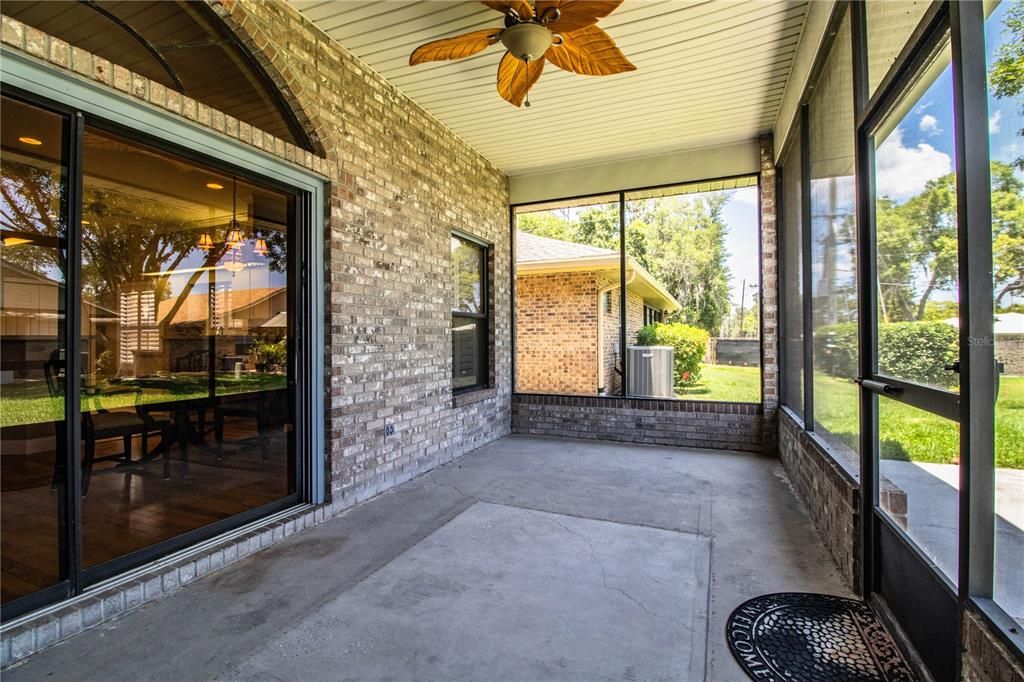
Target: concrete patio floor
527,559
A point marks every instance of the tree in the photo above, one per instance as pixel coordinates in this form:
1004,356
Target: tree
895,269
749,325
1007,232
550,224
1007,74
128,238
934,247
917,244
467,277
685,237
32,198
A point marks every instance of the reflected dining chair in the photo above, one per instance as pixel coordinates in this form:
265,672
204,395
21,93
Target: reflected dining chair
100,423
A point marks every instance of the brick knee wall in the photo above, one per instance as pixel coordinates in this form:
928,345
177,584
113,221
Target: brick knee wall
985,658
832,497
726,426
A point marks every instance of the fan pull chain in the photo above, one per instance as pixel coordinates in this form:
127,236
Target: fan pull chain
526,79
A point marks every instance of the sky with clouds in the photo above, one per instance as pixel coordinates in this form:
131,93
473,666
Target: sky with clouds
921,147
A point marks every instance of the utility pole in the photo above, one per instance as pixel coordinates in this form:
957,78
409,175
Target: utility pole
743,295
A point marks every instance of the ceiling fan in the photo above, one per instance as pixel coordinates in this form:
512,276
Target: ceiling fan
563,32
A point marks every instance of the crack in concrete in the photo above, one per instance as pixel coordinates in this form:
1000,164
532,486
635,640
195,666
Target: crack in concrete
604,572
452,486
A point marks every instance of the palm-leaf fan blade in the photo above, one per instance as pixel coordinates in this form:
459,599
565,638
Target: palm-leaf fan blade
521,7
516,77
589,51
454,48
576,14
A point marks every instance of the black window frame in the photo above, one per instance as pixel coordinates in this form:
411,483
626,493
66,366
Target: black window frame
482,318
75,577
651,315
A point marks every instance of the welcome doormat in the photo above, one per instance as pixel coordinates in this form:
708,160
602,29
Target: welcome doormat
799,636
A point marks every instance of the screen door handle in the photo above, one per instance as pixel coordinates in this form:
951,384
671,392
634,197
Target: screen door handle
879,386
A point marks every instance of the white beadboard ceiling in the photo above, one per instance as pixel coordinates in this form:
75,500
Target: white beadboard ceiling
708,73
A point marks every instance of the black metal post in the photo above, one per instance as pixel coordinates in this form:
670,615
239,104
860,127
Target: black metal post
72,352
622,294
512,295
805,265
977,361
867,314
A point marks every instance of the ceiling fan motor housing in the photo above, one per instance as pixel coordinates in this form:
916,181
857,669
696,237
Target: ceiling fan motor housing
527,41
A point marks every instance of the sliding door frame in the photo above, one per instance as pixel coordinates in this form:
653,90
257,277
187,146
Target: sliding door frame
82,102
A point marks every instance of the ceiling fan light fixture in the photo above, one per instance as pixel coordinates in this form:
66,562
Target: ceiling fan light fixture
531,29
527,41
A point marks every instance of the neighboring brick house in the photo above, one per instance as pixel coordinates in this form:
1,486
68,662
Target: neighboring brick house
567,314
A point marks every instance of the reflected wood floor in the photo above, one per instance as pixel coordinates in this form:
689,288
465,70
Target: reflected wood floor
128,508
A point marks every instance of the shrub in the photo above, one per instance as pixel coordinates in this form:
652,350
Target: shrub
270,354
105,363
916,351
689,344
835,349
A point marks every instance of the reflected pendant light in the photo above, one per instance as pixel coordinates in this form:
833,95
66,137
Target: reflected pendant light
234,265
261,247
234,237
205,241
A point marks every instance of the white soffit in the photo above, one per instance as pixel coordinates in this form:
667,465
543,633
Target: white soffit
708,73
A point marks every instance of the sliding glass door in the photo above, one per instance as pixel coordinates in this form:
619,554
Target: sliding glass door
149,313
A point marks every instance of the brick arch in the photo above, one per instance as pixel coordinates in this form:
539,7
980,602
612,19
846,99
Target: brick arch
253,41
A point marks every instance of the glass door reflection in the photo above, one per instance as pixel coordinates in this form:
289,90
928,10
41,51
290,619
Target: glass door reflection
186,402
33,229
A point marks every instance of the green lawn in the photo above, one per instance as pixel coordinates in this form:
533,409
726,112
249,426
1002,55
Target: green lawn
909,434
726,383
31,402
906,433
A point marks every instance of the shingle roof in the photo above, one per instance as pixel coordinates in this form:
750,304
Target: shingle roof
531,248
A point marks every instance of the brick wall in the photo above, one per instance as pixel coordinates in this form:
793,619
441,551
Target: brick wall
556,333
611,320
831,493
403,181
769,293
685,423
557,318
1010,351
